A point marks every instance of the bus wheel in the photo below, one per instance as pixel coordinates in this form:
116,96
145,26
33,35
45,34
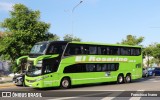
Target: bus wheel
24,85
120,79
65,83
128,79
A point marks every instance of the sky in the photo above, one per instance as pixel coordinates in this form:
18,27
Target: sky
102,21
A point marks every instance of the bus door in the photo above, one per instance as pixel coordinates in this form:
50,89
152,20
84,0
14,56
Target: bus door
50,66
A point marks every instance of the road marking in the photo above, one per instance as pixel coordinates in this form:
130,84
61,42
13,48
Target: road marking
137,98
112,96
79,96
151,79
92,90
155,81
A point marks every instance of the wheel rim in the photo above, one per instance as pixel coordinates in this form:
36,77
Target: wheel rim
128,79
120,79
65,83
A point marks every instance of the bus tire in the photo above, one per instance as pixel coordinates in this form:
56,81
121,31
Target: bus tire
128,78
65,83
24,85
120,79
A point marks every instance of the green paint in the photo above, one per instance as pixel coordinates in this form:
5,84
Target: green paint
20,58
44,57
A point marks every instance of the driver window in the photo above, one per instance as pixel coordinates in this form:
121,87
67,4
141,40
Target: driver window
53,50
48,69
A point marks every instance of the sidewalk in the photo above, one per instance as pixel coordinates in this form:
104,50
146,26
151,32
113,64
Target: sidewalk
5,79
6,82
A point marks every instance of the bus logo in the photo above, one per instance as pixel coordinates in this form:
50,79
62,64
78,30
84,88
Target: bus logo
100,59
6,94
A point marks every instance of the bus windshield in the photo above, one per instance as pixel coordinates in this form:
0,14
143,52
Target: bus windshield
34,70
39,49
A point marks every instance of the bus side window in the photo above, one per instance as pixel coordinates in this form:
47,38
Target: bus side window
73,50
104,67
92,50
77,68
55,49
77,50
125,51
68,51
113,50
90,67
51,49
85,50
99,51
112,67
102,50
135,51
138,51
99,67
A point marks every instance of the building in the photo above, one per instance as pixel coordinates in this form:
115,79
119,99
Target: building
4,67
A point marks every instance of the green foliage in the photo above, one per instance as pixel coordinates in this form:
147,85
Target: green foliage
156,53
148,52
53,37
69,37
23,30
132,40
14,67
152,51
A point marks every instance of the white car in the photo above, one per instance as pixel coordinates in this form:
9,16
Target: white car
145,72
19,80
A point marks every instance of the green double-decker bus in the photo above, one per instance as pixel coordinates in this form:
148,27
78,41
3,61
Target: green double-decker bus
62,63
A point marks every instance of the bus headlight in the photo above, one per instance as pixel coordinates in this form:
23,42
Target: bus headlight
39,64
41,78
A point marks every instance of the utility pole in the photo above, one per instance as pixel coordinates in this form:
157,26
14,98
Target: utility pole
73,9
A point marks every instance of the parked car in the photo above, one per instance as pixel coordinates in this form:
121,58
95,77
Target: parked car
19,80
145,72
154,71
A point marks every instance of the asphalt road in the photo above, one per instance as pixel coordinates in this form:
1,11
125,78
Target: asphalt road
142,89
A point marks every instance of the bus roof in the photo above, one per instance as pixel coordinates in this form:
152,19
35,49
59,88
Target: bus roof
52,42
90,43
93,43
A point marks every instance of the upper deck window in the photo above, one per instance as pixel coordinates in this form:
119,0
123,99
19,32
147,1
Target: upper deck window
39,48
89,49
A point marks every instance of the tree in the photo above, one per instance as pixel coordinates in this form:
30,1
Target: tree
1,34
156,54
152,51
69,37
22,30
148,53
132,40
52,37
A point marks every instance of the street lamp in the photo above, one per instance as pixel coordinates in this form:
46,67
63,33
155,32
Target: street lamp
76,6
73,11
